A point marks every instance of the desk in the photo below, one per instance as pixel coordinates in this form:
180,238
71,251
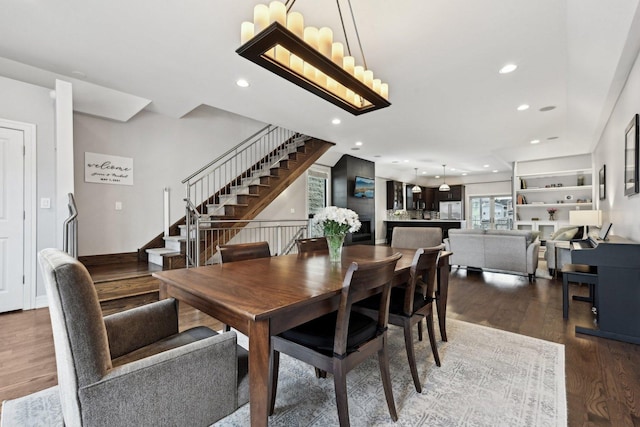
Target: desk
263,297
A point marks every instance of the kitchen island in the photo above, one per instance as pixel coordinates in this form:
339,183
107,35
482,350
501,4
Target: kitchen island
444,224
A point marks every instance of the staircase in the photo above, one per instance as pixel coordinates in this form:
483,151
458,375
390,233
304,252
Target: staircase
236,186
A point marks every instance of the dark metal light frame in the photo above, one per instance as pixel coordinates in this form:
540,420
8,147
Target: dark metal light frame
276,34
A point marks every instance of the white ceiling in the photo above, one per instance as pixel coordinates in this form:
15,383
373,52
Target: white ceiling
440,58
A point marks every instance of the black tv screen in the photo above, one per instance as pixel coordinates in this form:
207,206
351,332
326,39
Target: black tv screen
364,187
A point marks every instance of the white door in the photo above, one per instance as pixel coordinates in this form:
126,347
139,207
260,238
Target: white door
11,219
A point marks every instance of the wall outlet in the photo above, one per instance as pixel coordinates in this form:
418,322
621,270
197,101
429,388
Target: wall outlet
45,203
118,206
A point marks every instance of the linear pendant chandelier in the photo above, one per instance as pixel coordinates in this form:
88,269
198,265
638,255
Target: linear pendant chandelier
308,57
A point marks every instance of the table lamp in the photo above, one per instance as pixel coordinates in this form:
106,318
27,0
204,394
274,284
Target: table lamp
585,219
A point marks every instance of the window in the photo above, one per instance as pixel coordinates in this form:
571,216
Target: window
317,189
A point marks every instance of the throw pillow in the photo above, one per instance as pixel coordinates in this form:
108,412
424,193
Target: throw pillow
563,230
566,235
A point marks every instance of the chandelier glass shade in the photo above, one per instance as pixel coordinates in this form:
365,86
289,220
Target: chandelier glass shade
308,57
416,188
444,186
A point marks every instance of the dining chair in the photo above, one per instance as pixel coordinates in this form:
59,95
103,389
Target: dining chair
313,244
410,304
242,252
415,238
339,341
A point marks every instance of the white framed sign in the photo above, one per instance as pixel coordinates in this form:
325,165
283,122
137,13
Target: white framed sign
106,169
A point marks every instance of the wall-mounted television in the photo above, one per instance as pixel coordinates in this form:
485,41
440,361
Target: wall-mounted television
364,187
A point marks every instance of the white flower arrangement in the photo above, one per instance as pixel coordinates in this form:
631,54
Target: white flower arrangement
334,221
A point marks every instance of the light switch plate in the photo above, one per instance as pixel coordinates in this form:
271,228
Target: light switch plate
45,203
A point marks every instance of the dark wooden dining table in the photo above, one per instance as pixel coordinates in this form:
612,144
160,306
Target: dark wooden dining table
266,296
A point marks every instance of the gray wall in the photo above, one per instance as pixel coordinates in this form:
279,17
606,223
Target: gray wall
164,151
619,209
27,103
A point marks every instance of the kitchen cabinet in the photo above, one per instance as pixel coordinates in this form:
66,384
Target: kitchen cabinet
455,194
395,198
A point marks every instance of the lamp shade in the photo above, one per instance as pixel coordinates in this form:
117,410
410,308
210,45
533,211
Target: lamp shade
591,217
444,187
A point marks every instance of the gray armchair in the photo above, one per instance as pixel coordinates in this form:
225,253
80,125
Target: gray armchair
134,368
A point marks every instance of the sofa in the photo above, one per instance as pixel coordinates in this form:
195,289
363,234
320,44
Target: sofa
505,250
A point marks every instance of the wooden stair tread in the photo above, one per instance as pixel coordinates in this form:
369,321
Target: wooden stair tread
121,271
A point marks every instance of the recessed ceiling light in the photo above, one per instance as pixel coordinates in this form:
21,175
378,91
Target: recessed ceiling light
355,148
395,161
548,108
523,107
242,83
336,121
452,169
358,143
535,141
424,172
464,174
551,138
377,155
437,176
509,68
486,166
406,161
495,170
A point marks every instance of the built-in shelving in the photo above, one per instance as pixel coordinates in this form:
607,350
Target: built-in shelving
564,184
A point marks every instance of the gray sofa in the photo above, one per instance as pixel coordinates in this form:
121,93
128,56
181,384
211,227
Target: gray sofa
504,250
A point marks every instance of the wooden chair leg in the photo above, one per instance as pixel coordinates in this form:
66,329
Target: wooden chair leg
411,355
565,295
420,330
340,385
432,337
273,380
320,373
383,359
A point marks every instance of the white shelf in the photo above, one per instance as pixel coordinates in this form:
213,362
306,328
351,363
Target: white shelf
552,174
588,187
553,205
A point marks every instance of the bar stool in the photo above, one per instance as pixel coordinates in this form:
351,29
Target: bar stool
578,273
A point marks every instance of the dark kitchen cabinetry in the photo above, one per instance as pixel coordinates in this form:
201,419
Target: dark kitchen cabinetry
456,194
394,195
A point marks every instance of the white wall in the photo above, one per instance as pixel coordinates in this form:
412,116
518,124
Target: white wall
164,151
617,208
27,103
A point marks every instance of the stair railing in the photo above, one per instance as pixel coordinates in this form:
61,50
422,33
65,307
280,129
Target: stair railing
225,175
206,234
70,233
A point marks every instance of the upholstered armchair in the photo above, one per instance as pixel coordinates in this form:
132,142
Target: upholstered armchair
134,367
556,259
416,237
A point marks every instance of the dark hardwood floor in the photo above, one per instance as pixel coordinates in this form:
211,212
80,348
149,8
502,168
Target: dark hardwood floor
602,376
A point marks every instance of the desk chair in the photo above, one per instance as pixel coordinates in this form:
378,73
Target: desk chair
339,341
410,304
581,274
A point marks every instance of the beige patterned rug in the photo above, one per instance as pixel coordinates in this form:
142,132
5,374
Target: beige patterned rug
488,378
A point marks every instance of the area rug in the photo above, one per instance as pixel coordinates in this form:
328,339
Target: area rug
488,377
